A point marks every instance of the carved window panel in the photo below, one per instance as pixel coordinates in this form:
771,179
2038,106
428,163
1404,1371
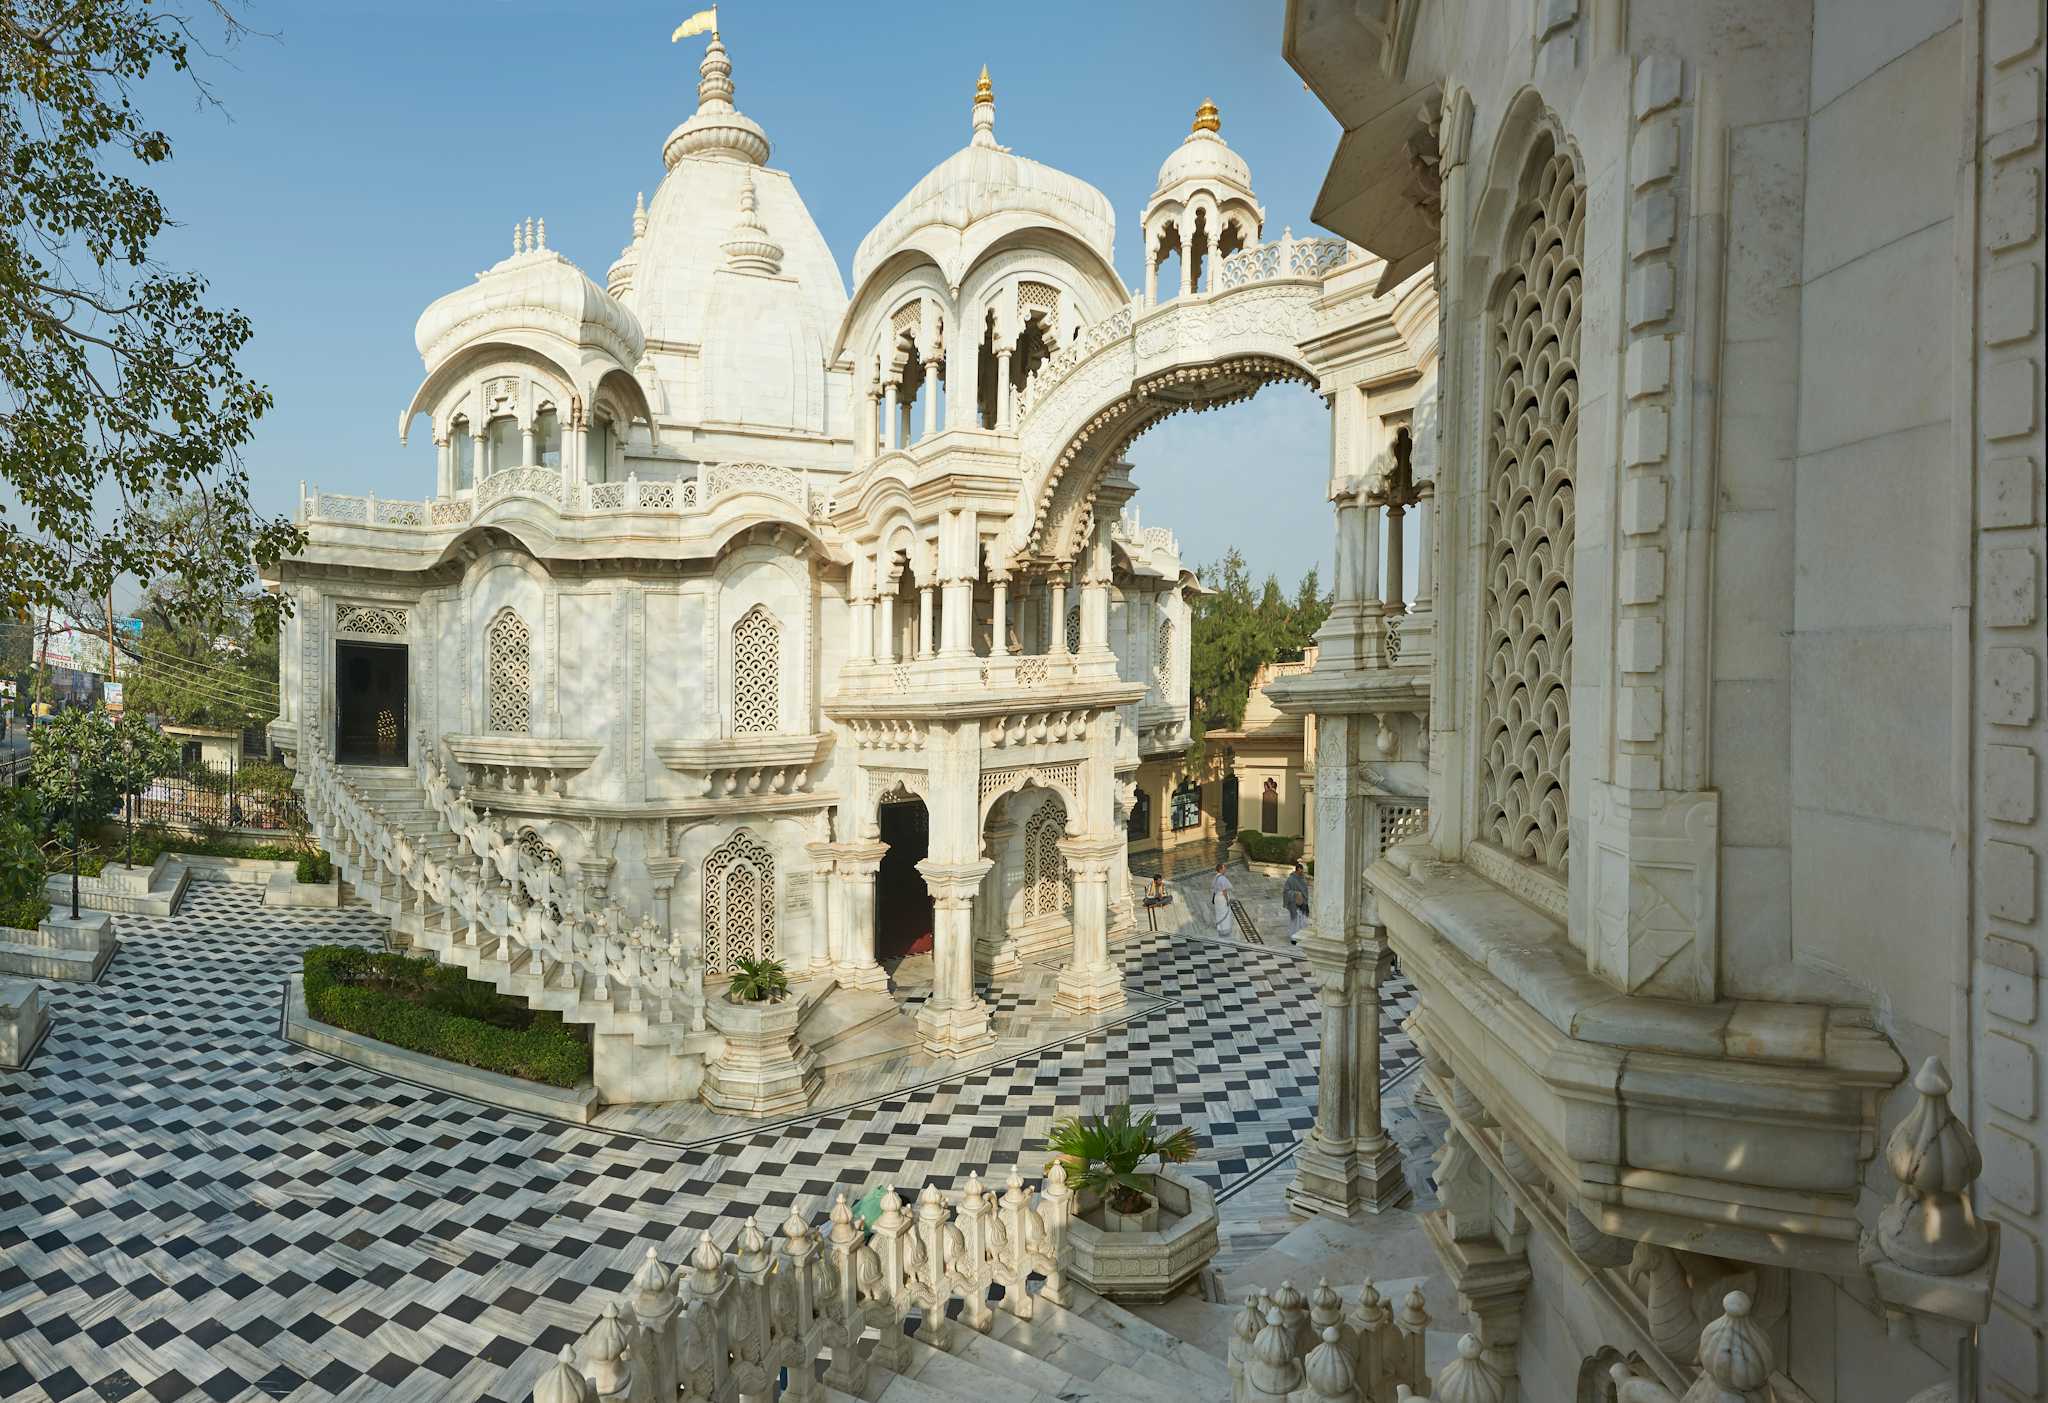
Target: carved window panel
1046,892
508,675
369,621
756,673
1532,453
1162,660
739,903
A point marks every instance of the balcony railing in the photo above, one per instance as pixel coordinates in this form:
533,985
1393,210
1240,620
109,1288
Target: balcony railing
681,497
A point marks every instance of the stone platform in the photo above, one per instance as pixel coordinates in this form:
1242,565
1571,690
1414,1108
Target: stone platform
60,948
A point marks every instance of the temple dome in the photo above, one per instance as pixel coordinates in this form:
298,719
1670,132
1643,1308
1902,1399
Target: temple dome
535,289
766,314
1203,157
985,181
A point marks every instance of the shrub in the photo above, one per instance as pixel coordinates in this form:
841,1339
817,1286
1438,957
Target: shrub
316,867
262,777
414,1004
1266,847
22,867
25,913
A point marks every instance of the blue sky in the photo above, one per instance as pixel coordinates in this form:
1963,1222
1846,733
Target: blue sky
374,155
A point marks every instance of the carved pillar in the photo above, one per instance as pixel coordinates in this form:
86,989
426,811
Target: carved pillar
1396,514
871,428
444,467
824,875
663,871
1187,265
925,648
526,459
1057,643
995,954
1349,1163
953,1022
1095,579
885,604
480,452
1090,983
1004,409
1151,275
856,968
892,421
934,375
998,645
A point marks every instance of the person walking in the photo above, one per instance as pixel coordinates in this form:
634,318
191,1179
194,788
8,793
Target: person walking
1219,900
1294,896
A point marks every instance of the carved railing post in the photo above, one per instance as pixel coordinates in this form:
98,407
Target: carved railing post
1328,1371
564,1383
1056,1210
655,1356
846,1245
1273,1372
609,1350
972,1239
891,1293
800,1338
1244,1332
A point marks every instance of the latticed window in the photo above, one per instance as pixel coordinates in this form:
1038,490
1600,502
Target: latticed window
739,903
1074,630
1162,658
756,673
1532,457
508,675
1046,892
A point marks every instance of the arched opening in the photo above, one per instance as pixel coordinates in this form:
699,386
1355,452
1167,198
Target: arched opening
1034,345
903,907
1269,807
503,449
462,443
547,438
1138,827
1166,262
1198,253
987,392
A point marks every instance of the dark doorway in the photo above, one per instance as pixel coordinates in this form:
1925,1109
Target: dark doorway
369,691
903,908
1269,807
1227,819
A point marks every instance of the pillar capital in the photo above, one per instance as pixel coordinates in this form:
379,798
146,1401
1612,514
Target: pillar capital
953,885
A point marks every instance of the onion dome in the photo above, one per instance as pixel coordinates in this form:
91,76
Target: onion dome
984,180
718,129
535,288
1203,157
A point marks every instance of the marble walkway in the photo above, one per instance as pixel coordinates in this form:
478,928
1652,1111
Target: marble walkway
193,1208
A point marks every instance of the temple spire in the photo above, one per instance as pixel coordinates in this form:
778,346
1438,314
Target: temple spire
984,110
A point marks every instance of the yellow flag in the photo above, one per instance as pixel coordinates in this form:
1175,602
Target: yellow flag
704,21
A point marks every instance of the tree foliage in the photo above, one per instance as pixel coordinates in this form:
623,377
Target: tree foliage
1237,629
117,381
208,651
84,756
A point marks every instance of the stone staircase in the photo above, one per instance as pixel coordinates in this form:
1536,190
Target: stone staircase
396,850
1088,1349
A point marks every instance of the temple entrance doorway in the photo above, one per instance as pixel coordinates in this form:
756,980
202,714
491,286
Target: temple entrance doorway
369,703
903,908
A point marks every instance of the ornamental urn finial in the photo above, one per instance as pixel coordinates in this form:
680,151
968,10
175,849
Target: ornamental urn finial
1207,117
1930,1227
984,110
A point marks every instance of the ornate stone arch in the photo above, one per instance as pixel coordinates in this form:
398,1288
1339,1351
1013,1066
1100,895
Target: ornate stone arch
1062,778
739,909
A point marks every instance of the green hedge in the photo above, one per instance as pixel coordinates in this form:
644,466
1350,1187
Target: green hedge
430,1008
111,844
26,914
1267,847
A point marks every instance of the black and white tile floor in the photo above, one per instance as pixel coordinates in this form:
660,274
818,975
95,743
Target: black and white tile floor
193,1208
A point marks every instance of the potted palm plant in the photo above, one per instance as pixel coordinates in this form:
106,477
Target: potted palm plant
1134,1236
1104,1154
758,981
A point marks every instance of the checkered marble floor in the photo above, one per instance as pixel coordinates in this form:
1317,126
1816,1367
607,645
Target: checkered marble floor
193,1208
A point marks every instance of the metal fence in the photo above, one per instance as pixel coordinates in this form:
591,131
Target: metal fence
200,795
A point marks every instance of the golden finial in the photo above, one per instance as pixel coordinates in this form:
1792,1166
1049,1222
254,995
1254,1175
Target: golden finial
984,91
1207,118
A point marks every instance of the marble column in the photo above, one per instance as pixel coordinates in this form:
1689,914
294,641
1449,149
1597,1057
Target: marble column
480,465
1003,406
885,604
892,422
934,374
1090,983
1057,623
1395,585
999,588
954,1022
856,967
824,863
1348,1164
444,467
995,952
925,648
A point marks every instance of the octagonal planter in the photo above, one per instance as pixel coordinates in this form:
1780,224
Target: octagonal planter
765,1069
1150,1257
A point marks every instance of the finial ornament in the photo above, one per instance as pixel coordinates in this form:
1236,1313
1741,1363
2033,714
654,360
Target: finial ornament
984,110
1930,1226
1207,117
984,90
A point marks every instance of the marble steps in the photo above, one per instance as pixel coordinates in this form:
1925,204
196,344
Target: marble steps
56,950
1058,1333
848,1028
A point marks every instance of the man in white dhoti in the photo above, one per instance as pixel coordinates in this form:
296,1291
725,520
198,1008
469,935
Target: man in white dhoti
1219,900
1294,896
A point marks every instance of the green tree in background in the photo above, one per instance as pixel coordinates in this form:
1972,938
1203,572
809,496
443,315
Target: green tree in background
117,382
1237,629
208,651
110,759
